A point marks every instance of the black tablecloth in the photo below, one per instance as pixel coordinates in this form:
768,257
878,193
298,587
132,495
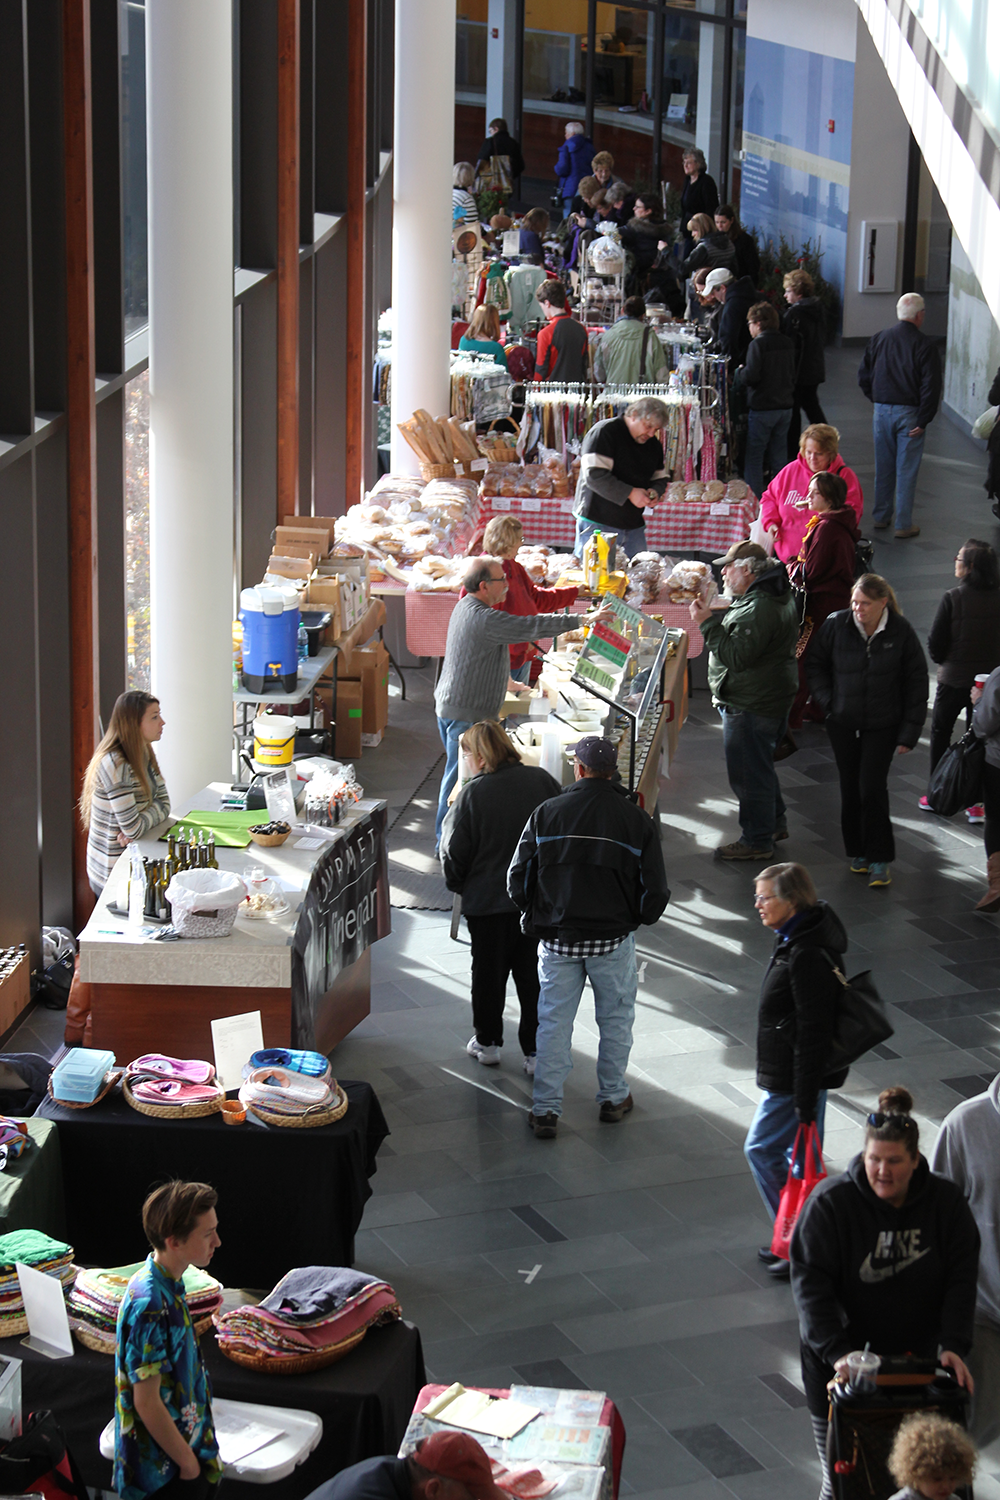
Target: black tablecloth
364,1401
287,1197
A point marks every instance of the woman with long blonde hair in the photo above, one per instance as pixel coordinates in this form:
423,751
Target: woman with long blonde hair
124,794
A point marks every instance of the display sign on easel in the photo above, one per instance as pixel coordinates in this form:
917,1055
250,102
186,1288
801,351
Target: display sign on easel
45,1310
235,1039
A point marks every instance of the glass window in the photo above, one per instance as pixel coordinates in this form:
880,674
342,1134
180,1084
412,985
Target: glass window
739,75
470,49
623,58
133,45
555,39
137,528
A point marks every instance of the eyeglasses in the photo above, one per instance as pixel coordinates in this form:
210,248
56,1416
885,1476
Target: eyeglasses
759,900
878,1119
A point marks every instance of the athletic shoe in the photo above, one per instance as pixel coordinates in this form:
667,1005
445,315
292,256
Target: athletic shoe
976,813
529,1065
780,834
739,850
612,1113
859,865
878,873
544,1126
488,1056
924,805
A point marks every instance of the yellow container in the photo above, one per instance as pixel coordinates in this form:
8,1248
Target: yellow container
273,740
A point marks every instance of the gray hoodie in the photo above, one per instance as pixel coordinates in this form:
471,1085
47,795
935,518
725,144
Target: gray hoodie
967,1150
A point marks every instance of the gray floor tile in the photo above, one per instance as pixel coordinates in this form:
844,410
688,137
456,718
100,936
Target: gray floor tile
713,1447
496,1229
504,1307
396,1208
592,1252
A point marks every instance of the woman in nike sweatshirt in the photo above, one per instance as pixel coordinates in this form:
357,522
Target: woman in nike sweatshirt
886,1254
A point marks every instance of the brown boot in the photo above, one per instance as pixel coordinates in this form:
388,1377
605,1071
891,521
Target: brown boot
991,901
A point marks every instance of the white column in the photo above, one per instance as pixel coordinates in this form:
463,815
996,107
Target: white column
500,61
423,157
189,141
711,51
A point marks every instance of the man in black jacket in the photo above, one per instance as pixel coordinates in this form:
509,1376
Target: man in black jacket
736,298
805,324
769,376
901,375
588,871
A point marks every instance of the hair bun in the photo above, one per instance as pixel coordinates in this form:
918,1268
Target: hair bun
895,1101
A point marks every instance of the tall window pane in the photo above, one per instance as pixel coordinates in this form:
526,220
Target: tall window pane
137,528
133,45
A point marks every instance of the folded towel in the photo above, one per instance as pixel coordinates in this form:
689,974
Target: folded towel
310,1292
173,1091
285,1092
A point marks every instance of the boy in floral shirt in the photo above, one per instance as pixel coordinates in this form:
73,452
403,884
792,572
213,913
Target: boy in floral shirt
165,1442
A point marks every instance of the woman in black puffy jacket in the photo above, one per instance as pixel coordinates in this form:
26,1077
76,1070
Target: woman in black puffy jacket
867,671
798,1004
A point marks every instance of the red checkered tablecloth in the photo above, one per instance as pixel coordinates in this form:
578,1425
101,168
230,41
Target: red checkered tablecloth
673,527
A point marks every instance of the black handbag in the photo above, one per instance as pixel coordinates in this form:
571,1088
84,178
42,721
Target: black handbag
861,1021
957,779
39,1460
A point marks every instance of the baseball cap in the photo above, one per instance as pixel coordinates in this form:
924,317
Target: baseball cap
456,1455
595,753
742,552
719,277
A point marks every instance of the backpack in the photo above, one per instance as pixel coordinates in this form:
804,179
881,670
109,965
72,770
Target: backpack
39,1462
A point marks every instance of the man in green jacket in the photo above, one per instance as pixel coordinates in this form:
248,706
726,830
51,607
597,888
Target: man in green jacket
753,675
630,352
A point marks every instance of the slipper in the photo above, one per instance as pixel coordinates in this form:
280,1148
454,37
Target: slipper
187,1070
173,1091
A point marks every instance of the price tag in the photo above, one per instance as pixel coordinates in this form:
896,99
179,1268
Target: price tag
566,506
501,502
720,508
478,465
531,504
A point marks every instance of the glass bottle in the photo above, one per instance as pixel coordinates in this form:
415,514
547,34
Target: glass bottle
213,862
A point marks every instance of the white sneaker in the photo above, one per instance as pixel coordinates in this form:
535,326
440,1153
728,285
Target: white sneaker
488,1056
529,1065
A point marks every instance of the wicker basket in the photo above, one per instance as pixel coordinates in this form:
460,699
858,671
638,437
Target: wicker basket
106,1343
13,1326
437,471
499,446
266,1364
111,1077
173,1111
310,1120
269,840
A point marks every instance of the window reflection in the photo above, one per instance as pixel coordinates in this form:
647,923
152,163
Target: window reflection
137,528
133,47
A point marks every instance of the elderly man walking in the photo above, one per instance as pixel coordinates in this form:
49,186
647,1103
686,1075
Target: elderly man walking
754,677
621,472
476,665
901,375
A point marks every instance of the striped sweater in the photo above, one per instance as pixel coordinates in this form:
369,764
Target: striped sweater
120,806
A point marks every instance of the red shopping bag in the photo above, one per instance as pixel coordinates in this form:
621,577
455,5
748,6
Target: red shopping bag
797,1189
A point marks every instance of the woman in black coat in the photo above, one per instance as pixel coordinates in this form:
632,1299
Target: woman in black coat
992,485
964,642
747,253
798,1002
867,672
480,833
886,1254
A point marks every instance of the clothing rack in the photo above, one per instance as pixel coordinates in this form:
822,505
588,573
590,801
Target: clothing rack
480,388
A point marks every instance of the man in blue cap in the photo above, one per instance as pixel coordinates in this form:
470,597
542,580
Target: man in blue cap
587,872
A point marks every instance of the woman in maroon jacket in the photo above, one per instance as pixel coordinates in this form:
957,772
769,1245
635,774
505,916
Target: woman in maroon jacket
825,565
502,538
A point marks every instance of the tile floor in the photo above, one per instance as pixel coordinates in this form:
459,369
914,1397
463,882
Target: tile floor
624,1257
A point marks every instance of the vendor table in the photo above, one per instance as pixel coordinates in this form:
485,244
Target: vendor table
310,672
670,527
31,1188
428,614
286,1197
364,1402
309,974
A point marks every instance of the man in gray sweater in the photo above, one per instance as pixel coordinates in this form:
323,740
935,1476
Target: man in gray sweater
477,662
967,1151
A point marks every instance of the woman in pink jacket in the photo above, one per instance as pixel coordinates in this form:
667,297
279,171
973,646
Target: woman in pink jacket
784,508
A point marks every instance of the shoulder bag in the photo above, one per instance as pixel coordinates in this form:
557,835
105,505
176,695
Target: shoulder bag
797,1187
861,1021
957,779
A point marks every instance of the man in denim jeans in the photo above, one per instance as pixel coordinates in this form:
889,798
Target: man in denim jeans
901,375
753,675
587,872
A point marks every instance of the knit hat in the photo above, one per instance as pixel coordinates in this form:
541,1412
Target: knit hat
456,1455
596,753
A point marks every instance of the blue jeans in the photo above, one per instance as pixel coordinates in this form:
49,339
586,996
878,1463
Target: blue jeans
613,979
767,440
769,1142
631,539
749,741
451,731
521,673
897,460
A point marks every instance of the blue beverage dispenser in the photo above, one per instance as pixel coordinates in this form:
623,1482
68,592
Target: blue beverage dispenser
270,618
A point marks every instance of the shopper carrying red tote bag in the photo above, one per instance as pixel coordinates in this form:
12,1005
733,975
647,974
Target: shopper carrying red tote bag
797,1189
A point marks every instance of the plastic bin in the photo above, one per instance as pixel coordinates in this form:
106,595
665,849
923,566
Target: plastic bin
315,625
79,1076
277,1459
205,902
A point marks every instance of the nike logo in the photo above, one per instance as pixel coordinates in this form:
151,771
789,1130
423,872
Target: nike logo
868,1274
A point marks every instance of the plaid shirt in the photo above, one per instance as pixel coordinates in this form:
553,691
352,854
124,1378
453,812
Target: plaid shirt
589,948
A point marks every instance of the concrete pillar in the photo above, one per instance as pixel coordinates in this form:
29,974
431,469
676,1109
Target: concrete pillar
500,61
189,143
708,134
423,147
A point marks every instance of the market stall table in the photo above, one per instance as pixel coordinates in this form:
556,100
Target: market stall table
31,1187
286,1197
364,1402
309,973
671,526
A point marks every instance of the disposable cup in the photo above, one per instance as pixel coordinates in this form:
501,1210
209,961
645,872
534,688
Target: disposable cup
862,1368
981,679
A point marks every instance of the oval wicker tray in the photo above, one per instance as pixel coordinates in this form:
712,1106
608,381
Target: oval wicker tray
266,1364
173,1111
12,1326
106,1343
307,1121
111,1077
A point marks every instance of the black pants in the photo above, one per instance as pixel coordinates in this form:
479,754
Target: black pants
188,1489
948,704
500,948
805,400
863,760
991,804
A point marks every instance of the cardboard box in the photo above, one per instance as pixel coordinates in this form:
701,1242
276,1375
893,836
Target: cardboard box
371,741
322,594
348,720
297,549
290,567
315,538
320,523
368,665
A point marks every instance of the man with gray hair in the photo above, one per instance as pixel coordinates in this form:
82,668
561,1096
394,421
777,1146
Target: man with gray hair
621,472
901,375
754,677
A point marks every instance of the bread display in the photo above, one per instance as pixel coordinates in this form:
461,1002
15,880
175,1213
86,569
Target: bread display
689,581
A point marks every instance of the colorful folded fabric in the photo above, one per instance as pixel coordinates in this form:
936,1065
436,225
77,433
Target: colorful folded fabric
14,1139
95,1297
312,1063
273,1337
184,1069
173,1091
39,1251
281,1091
310,1294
